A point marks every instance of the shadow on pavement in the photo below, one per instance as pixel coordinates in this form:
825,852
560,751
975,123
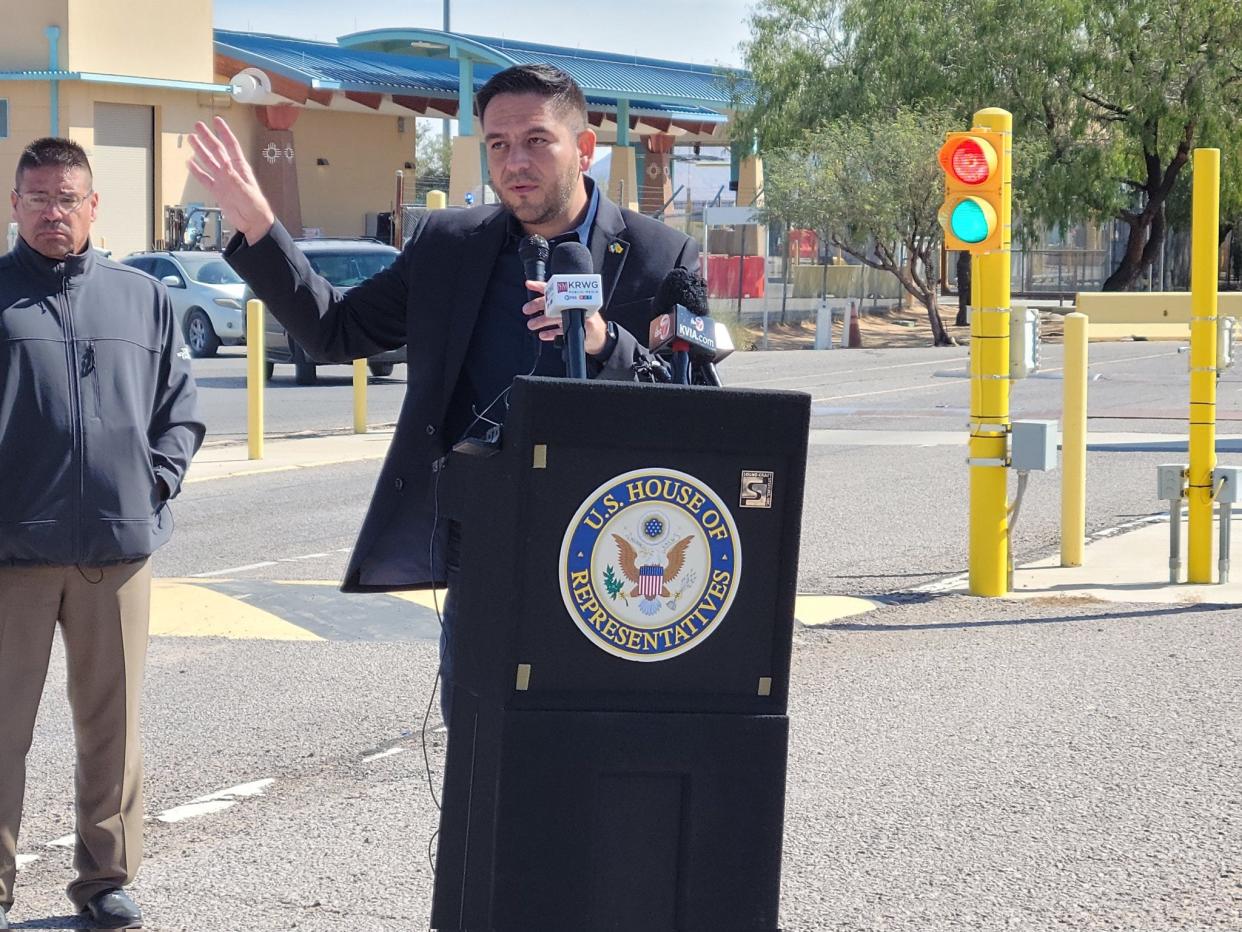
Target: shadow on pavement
1009,622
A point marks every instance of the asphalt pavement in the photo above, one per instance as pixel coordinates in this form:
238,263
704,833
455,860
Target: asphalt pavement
1067,757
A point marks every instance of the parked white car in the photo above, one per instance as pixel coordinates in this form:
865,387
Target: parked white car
207,296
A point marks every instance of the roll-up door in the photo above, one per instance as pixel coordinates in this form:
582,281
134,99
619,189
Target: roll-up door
124,167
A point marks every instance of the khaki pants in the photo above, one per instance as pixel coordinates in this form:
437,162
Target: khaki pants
104,613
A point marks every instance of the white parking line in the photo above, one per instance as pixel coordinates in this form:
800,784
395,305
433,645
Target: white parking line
64,841
382,754
25,859
234,570
215,802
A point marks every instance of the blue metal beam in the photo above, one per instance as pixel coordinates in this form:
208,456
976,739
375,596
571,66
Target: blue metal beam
53,65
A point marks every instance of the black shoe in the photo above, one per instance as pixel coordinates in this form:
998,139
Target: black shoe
113,909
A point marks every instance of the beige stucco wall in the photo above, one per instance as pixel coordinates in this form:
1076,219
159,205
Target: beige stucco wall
364,153
23,46
28,120
175,113
142,38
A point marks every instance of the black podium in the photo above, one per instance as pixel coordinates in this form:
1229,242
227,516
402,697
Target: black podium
618,735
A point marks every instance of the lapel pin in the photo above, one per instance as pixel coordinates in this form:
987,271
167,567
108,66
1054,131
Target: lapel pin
616,248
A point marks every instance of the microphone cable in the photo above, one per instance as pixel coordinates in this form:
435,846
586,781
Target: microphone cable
437,684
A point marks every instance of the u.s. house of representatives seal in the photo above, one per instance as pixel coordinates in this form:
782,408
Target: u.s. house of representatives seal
650,564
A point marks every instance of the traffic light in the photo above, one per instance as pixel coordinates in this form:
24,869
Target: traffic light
974,214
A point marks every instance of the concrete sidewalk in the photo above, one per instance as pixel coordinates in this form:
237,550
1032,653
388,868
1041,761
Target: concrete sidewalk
1128,564
1131,565
230,459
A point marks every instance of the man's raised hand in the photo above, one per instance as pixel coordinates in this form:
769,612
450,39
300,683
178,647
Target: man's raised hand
220,166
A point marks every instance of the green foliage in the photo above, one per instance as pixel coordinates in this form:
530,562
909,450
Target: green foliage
611,583
871,187
433,154
1109,96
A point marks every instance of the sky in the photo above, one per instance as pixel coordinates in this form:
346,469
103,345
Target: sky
674,29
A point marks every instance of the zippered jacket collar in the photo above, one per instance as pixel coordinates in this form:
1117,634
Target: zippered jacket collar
39,265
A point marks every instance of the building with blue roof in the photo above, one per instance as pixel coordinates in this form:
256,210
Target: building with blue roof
329,125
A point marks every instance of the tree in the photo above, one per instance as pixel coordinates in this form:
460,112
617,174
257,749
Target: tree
433,154
872,189
1109,96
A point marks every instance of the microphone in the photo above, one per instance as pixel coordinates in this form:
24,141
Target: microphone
574,292
533,251
683,325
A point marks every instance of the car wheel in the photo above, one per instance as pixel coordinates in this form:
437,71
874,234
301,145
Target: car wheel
303,367
380,369
268,369
200,335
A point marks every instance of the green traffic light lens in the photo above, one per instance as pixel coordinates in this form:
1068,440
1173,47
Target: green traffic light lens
969,223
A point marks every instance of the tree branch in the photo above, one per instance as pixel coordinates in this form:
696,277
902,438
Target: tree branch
1100,102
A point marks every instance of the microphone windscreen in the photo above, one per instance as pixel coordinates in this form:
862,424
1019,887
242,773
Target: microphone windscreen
571,258
681,286
533,248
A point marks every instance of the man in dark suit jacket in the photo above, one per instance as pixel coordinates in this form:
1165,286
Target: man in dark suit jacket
457,299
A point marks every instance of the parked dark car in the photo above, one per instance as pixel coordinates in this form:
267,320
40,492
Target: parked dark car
345,263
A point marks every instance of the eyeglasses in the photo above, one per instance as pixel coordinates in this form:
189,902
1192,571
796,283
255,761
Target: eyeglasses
65,203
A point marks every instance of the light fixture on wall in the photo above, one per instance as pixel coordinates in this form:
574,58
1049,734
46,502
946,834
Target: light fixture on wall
321,161
409,165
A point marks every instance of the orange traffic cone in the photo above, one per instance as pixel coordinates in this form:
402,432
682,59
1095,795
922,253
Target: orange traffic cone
855,333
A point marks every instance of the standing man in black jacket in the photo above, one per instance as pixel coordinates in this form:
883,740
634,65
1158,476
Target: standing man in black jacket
457,299
97,428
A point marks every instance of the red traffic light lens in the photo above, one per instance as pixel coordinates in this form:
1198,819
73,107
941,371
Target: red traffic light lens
970,163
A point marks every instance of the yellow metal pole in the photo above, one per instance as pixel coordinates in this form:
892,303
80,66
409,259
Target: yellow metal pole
436,200
1074,441
1204,270
360,396
989,364
256,365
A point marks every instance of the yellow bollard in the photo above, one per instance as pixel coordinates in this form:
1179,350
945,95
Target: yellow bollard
436,200
1074,442
989,370
256,366
360,396
1204,269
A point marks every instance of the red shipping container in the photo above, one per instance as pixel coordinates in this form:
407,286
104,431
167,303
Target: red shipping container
722,276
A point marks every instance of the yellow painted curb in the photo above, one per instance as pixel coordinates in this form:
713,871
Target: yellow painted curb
181,609
422,597
814,610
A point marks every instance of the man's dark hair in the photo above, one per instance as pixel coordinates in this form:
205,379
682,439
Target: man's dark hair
545,80
52,150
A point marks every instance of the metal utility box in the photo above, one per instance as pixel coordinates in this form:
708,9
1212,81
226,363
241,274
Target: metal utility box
1226,331
1034,446
1024,346
1227,477
1171,482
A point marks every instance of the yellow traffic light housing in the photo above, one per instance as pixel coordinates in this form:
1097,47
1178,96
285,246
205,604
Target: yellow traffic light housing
974,214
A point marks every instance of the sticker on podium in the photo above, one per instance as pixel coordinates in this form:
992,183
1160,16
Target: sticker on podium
650,564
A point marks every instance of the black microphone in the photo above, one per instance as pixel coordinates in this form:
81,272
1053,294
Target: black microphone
682,324
533,251
574,291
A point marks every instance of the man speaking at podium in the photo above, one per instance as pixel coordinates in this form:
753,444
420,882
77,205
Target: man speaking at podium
457,298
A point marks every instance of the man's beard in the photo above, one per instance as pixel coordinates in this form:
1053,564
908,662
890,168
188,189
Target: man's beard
555,206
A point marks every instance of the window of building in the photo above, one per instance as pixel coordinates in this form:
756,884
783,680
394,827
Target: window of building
4,118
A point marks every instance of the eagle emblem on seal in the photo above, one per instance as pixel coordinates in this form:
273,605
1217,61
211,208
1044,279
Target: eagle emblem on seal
649,575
